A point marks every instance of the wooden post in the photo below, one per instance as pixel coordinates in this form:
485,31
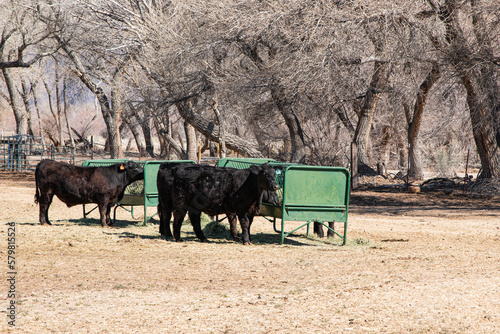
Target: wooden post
408,172
466,177
354,165
199,151
92,147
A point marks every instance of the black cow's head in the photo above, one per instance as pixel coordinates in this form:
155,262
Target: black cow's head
134,171
266,177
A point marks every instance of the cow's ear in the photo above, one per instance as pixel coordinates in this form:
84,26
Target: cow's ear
122,167
255,169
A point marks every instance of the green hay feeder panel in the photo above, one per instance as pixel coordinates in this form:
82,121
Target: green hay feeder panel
150,187
314,194
307,194
133,196
241,163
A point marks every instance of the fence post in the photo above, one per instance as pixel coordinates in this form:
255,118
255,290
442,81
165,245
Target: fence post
18,152
199,151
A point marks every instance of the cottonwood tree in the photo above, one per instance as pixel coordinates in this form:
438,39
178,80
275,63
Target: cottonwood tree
468,42
176,61
100,54
24,40
314,74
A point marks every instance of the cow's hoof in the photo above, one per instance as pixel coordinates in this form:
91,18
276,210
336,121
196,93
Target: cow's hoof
46,224
248,243
204,240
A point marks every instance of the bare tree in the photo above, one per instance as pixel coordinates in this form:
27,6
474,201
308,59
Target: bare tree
467,42
98,59
25,39
414,119
312,76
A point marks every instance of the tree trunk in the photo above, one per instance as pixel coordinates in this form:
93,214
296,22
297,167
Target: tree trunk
415,119
354,166
211,131
37,107
482,114
58,105
222,140
57,117
378,83
298,149
16,103
148,137
26,93
478,77
112,115
191,142
385,146
134,128
298,153
110,112
172,143
65,109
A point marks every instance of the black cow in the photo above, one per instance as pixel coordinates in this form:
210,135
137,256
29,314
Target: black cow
75,185
219,190
164,182
318,229
268,197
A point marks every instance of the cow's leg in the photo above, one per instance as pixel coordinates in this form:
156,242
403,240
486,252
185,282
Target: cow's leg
44,202
318,229
330,233
159,208
195,221
233,227
103,208
178,218
165,212
108,217
245,225
250,221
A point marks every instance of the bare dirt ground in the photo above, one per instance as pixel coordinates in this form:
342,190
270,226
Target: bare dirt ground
414,263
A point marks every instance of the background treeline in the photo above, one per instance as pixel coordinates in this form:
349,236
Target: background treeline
408,82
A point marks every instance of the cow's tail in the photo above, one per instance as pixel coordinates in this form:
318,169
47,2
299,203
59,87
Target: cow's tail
37,178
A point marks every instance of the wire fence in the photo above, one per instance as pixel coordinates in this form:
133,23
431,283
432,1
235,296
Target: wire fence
21,153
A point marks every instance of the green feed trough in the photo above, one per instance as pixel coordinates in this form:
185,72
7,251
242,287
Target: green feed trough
307,194
140,193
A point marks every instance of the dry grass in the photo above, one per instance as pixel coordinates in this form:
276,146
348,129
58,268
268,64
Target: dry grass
415,263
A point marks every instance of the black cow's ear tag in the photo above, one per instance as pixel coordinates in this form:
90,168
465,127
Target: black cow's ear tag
122,167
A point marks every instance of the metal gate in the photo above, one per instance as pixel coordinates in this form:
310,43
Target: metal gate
21,153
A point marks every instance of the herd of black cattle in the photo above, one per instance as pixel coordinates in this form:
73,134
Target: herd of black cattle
182,188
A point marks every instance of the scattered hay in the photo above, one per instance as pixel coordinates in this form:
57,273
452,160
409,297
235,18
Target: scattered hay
215,229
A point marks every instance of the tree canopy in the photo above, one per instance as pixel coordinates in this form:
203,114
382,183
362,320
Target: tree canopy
406,81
